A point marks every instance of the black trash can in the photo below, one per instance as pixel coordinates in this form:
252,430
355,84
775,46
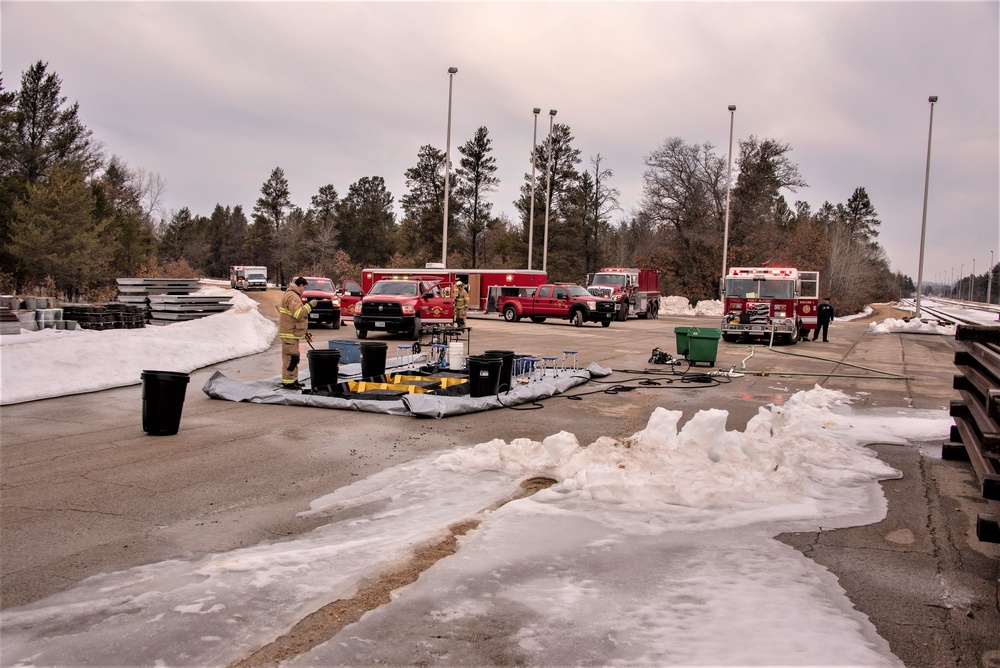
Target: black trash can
324,367
484,375
506,368
162,401
373,358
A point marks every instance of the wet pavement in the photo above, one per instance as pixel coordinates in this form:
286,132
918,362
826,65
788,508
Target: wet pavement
85,491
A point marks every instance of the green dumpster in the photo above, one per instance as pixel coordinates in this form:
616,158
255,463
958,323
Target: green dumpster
682,340
703,344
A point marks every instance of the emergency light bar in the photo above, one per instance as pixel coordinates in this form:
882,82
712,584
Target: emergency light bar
760,271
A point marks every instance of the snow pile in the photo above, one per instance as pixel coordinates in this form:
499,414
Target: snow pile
791,459
866,311
646,551
52,363
676,305
913,326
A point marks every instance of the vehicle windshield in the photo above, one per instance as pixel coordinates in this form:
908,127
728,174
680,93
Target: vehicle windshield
320,284
256,277
402,288
609,279
577,291
750,288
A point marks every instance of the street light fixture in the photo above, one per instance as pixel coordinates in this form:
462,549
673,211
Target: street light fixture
923,220
729,181
548,193
447,172
531,214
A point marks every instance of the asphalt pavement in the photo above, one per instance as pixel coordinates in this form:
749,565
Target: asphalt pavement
85,491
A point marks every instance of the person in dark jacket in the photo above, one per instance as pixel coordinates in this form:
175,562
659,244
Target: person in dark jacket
824,316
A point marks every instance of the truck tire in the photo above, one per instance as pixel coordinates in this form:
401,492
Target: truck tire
577,318
336,323
362,333
730,338
622,314
510,314
415,334
538,319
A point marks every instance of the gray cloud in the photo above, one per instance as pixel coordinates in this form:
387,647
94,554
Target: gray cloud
214,95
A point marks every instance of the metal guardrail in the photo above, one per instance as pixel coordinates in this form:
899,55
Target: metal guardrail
976,433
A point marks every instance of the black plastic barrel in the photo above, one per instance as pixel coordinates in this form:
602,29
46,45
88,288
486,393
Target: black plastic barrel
484,375
162,401
373,358
506,368
324,367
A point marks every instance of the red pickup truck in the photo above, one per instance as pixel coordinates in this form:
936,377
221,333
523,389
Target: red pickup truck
558,300
403,306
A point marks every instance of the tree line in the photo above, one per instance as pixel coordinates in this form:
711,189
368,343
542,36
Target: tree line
73,219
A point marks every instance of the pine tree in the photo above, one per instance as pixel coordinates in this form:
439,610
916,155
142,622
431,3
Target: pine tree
56,234
474,178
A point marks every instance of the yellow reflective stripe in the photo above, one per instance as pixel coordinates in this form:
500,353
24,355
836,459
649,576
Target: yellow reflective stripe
283,335
296,313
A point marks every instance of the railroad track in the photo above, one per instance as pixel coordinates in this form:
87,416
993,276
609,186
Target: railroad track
936,306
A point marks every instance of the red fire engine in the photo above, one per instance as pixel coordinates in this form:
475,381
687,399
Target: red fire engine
762,302
636,290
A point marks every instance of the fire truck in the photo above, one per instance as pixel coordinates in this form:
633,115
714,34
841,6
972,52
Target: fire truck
485,286
637,291
766,302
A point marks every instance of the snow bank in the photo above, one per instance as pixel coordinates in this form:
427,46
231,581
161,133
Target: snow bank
676,305
53,363
914,325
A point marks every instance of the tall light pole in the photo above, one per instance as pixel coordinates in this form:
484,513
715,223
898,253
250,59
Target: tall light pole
447,172
961,279
531,214
729,181
989,281
548,193
923,220
972,281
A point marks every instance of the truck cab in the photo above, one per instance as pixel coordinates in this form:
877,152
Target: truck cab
327,310
403,306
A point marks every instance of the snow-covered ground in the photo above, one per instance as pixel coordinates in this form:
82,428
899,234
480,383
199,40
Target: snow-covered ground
653,550
55,362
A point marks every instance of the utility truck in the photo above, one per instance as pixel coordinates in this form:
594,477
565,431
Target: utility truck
776,303
557,300
637,291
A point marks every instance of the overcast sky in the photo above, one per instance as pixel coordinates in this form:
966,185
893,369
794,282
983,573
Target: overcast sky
213,96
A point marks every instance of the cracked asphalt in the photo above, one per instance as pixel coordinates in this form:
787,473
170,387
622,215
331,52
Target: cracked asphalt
83,490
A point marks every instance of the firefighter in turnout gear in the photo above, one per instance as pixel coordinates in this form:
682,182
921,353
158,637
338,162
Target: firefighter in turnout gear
461,303
293,327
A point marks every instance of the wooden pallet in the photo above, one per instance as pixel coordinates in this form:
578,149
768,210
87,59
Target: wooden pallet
976,434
